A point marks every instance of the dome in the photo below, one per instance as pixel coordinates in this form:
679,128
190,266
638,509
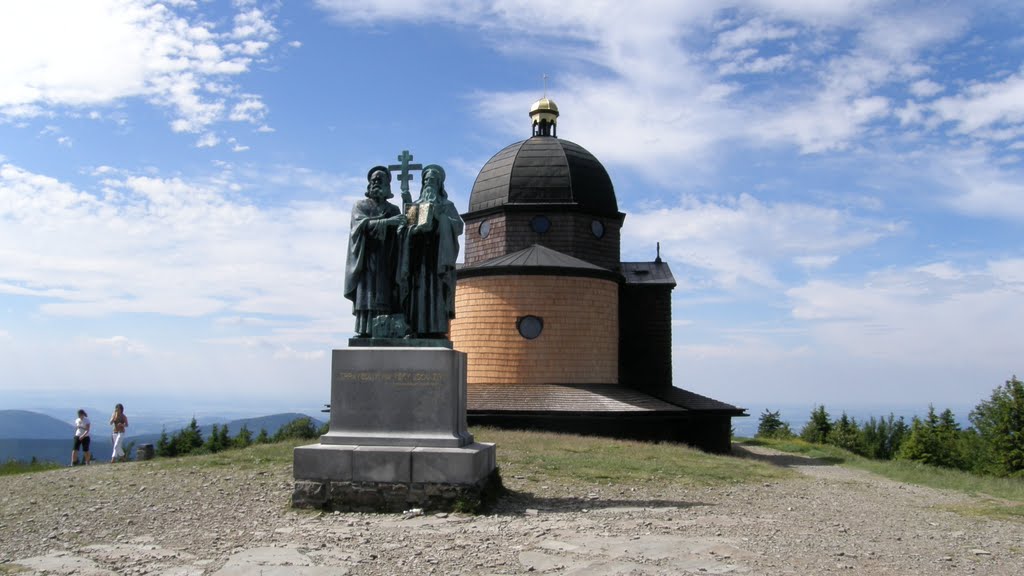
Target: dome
544,104
544,170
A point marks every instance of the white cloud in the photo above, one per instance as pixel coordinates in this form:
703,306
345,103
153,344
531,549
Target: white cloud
207,140
250,109
980,186
936,315
119,345
168,246
925,88
984,105
236,146
60,54
746,240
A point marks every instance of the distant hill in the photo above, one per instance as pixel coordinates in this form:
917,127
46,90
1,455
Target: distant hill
272,423
57,447
32,425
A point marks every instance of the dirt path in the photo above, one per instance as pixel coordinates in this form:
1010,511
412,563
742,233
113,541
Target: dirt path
138,519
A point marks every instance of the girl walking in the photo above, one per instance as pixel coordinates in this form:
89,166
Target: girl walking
119,422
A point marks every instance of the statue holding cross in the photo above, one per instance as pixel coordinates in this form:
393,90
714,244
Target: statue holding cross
400,270
403,174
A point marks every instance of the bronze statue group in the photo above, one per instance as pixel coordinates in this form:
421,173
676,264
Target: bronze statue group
400,270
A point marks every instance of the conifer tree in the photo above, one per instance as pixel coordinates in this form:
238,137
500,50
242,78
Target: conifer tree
190,439
771,426
164,447
845,434
934,440
817,428
262,437
882,437
999,422
243,438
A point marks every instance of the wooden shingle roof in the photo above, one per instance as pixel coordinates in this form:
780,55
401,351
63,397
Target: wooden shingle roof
536,260
590,398
587,398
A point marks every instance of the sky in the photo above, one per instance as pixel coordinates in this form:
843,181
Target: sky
837,186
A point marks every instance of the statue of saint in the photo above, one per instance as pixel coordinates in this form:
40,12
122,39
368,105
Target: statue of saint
370,269
429,248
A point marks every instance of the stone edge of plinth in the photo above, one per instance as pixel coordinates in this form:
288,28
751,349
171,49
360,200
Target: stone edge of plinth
394,464
438,478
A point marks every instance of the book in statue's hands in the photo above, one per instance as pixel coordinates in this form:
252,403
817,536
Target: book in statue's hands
419,214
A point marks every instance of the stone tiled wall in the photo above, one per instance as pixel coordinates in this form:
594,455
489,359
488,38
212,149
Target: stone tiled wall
579,343
478,248
570,234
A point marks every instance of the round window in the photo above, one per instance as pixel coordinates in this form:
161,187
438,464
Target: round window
540,224
597,227
485,228
530,326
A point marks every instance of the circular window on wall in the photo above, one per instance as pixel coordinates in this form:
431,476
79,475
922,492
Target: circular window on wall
597,228
485,228
540,224
530,326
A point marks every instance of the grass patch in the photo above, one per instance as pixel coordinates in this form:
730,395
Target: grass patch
1005,495
16,467
255,457
823,452
569,459
561,459
547,457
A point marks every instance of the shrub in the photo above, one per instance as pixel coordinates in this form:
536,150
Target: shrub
298,428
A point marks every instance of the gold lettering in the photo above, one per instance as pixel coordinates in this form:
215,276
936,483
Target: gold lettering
397,377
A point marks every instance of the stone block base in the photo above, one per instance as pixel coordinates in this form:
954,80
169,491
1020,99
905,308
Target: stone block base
391,478
395,496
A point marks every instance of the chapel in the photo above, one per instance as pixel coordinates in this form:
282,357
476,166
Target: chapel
560,334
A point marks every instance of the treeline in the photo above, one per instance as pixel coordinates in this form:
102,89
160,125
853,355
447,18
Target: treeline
189,440
992,445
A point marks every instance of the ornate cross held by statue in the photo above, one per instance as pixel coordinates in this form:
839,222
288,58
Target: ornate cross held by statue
404,175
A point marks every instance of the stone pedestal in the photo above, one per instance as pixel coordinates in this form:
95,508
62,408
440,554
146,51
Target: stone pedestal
397,437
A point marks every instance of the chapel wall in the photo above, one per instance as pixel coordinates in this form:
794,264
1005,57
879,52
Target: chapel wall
579,343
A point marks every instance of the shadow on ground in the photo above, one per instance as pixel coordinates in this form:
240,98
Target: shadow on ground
781,459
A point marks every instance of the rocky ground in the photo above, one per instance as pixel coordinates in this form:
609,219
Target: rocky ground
137,518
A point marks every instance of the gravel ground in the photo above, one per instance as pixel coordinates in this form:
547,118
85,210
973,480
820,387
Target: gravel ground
137,519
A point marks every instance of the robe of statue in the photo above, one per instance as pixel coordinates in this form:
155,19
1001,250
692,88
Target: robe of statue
371,263
426,271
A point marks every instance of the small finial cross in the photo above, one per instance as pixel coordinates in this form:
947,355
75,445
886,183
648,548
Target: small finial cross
545,85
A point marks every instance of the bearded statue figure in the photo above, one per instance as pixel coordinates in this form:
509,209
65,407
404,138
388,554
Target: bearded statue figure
429,246
373,249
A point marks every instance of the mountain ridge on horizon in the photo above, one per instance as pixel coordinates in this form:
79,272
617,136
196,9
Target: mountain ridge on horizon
25,434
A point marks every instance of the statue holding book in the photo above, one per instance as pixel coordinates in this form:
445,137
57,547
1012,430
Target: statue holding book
400,270
428,248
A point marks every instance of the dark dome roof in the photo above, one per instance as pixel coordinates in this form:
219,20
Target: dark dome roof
544,170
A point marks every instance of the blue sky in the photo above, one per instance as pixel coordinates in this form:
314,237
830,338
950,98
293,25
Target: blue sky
838,186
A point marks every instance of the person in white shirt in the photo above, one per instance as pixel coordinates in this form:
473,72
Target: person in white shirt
82,438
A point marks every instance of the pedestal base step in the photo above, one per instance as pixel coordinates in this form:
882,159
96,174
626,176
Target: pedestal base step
396,496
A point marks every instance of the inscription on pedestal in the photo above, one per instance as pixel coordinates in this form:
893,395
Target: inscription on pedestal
398,397
398,378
